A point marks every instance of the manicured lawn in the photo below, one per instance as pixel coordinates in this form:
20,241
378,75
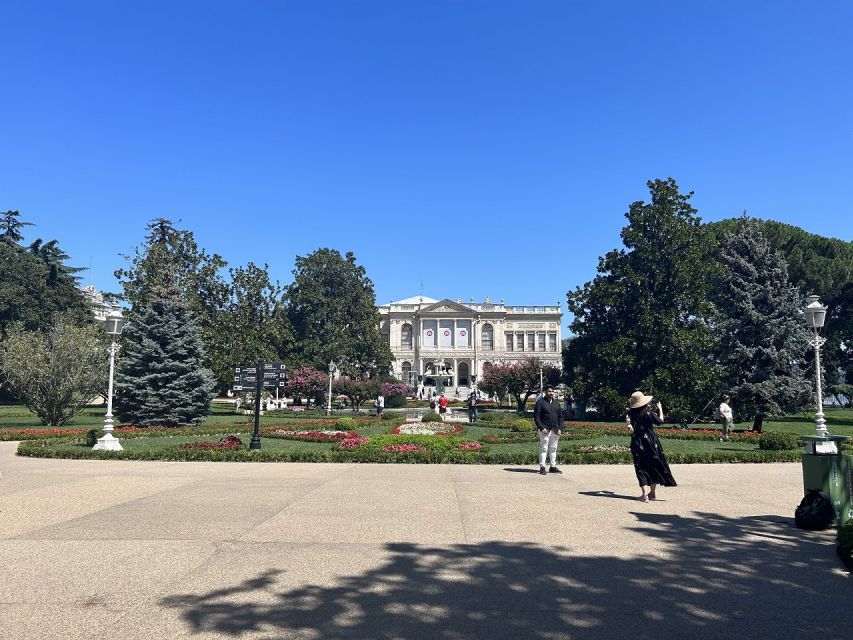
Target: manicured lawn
223,421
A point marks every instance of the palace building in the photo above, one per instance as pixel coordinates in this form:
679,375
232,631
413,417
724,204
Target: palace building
434,340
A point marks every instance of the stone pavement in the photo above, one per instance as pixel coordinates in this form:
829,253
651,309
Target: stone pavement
132,550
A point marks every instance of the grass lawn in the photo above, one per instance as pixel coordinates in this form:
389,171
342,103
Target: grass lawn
223,420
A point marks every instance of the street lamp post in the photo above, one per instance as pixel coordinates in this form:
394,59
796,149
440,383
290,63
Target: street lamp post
540,378
114,325
329,398
815,318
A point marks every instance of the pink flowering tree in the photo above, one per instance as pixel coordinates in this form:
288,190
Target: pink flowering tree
307,383
357,391
518,379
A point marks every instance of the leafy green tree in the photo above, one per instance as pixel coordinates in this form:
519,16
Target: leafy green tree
161,377
331,310
251,323
57,371
761,339
640,323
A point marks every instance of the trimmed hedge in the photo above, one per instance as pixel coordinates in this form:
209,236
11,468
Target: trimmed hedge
779,441
50,449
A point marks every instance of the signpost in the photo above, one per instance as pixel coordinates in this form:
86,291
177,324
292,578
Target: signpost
257,378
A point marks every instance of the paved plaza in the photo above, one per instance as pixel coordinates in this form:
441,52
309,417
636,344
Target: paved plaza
133,550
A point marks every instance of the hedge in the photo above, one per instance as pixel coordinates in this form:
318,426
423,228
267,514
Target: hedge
48,449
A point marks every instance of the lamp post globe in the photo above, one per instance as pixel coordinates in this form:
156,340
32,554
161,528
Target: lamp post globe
815,314
114,324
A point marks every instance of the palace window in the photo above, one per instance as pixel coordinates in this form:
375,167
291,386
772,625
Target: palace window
552,342
488,338
531,342
406,336
540,341
509,342
519,341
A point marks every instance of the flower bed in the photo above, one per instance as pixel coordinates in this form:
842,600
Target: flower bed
510,438
352,443
407,446
427,429
228,442
36,433
311,436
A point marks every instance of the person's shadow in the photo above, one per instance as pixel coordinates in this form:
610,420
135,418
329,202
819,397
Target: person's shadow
608,494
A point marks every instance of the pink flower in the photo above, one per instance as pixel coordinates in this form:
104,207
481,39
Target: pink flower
470,445
352,443
404,447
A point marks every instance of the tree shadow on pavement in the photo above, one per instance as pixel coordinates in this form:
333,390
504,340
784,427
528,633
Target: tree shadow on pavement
711,576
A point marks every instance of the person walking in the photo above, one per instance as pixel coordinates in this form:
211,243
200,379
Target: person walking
649,460
726,417
549,422
380,405
442,405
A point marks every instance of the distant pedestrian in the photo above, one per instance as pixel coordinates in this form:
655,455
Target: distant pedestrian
472,407
549,422
442,405
725,417
649,460
380,405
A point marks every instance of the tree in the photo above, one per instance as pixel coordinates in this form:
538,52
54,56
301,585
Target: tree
519,379
822,266
357,391
640,323
249,326
761,340
161,377
331,310
35,283
170,259
306,382
10,227
57,371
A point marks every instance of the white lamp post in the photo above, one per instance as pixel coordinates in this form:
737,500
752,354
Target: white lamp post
540,378
815,317
114,325
329,398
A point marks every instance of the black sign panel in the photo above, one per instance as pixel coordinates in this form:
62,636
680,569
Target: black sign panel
246,378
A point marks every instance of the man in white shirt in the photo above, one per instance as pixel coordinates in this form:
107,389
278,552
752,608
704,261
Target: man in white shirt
725,417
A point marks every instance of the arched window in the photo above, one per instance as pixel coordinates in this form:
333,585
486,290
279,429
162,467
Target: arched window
406,336
406,372
487,338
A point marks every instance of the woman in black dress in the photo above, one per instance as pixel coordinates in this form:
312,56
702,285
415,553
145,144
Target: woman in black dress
649,460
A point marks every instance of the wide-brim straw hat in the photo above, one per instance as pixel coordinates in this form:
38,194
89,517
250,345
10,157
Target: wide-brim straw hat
638,400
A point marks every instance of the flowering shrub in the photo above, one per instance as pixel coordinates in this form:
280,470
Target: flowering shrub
395,389
611,448
352,443
29,434
404,447
510,437
441,429
312,436
469,445
231,442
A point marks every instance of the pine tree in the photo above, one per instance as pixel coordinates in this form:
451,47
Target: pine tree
161,378
761,338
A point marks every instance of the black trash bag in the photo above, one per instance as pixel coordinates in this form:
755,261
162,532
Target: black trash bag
815,512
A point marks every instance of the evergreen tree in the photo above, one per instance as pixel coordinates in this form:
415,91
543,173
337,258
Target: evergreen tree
161,378
640,323
761,336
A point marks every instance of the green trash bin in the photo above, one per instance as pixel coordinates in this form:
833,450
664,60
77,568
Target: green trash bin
825,469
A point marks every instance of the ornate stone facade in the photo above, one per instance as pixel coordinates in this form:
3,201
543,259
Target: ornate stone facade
454,340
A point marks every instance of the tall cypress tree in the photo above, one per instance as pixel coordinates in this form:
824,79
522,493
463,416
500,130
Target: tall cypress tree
161,378
762,340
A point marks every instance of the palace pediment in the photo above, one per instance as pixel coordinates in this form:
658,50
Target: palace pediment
447,306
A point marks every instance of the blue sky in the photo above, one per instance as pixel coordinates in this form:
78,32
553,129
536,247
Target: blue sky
479,148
